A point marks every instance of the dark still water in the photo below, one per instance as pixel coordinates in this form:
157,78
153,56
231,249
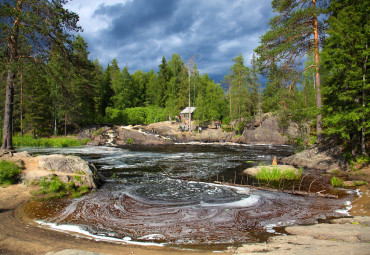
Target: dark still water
142,201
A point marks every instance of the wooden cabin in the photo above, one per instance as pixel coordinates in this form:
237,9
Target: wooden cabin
185,113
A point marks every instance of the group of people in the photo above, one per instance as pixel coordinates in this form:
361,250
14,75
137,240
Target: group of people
183,127
178,118
218,124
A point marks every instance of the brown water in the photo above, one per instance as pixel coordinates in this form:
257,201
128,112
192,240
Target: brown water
139,202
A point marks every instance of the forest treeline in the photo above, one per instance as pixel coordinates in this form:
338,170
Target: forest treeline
314,59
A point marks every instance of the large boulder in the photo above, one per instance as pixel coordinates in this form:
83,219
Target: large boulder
67,168
319,158
133,136
266,131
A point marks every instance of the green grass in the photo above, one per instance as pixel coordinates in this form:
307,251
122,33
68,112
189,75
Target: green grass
29,141
360,183
9,172
336,182
55,188
129,141
276,175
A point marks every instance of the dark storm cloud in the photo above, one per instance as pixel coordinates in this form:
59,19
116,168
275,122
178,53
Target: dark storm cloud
139,32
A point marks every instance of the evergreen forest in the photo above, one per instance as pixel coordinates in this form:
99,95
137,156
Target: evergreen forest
314,59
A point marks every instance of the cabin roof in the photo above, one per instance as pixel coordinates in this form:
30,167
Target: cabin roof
188,109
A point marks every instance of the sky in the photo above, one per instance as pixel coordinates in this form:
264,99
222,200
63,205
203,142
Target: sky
138,33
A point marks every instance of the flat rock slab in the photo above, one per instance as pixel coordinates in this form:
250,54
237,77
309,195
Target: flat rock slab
343,236
282,168
74,252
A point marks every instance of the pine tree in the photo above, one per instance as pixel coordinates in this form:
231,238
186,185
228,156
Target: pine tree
240,87
346,87
164,76
82,85
293,32
39,24
256,101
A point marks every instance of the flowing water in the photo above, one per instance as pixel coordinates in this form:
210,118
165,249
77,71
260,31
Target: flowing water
145,199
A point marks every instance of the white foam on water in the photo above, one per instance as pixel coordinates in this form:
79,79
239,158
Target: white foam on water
246,202
270,228
345,211
83,233
152,237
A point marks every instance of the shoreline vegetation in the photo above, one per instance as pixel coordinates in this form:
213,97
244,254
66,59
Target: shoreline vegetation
58,141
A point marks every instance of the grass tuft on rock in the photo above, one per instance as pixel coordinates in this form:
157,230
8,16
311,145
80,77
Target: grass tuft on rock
275,174
336,182
55,188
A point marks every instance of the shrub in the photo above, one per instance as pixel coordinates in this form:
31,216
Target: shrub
136,115
115,116
9,172
129,141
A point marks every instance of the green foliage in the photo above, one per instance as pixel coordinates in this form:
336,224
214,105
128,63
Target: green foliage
137,115
129,141
115,116
239,127
346,88
336,182
210,102
9,172
29,141
240,89
363,160
78,178
98,132
54,188
360,183
266,174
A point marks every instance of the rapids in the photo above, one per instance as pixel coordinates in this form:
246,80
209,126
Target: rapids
144,199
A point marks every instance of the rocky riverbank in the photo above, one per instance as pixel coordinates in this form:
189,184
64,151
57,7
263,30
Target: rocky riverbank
66,168
266,130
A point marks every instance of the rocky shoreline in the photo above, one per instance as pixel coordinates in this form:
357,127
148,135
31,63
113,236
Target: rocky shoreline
340,236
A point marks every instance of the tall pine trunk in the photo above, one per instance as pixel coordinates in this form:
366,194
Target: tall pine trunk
317,78
363,131
9,92
8,112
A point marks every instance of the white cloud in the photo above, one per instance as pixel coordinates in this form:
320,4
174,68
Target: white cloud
86,9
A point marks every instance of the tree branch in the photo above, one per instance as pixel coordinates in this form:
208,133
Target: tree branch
291,85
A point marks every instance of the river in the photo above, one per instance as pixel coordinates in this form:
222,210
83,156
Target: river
146,200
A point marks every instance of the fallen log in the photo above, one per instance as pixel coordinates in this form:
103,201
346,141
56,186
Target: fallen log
293,192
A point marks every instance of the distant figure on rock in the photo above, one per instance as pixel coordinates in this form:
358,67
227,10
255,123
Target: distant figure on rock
274,161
